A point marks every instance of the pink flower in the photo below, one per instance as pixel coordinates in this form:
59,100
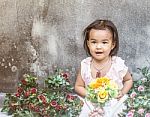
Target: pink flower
59,107
53,103
147,115
27,93
33,90
140,88
70,97
133,94
42,98
31,106
17,95
141,111
130,114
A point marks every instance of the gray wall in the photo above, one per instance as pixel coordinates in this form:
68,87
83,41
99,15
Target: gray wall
35,35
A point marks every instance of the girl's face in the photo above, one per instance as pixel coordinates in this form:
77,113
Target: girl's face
100,44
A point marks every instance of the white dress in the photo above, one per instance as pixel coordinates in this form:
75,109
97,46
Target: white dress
117,71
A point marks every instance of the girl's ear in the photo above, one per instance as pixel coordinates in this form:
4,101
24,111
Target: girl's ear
87,43
113,45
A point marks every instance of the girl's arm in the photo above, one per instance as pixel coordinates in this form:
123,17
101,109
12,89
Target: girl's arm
127,84
80,85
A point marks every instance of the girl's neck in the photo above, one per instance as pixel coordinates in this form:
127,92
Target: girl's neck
100,67
101,62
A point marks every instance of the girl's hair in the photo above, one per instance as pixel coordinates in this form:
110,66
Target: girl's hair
102,25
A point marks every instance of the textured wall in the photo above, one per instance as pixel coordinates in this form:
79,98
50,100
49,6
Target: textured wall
37,34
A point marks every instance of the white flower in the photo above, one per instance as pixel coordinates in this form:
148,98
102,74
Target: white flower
133,94
141,88
143,79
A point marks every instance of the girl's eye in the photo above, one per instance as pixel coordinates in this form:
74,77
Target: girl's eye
93,42
105,42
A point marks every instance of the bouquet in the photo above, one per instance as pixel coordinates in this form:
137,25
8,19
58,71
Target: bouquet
101,90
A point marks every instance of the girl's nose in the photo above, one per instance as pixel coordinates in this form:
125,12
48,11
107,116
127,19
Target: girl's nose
98,46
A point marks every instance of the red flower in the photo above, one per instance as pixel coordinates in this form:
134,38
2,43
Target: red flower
42,98
37,109
24,82
27,93
17,95
19,89
58,107
53,103
33,90
65,75
31,106
70,97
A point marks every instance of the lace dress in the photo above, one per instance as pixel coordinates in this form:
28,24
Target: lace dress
116,72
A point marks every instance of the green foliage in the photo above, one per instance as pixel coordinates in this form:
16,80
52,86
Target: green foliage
138,103
55,99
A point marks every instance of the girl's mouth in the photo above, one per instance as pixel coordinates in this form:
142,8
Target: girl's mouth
98,52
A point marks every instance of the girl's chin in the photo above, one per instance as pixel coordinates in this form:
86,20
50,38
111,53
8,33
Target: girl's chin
98,58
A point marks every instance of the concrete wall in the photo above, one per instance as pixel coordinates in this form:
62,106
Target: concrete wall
37,34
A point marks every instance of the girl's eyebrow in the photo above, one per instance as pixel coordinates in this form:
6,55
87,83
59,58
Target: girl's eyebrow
105,40
101,40
93,39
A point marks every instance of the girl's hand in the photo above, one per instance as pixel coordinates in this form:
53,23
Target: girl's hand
120,95
98,112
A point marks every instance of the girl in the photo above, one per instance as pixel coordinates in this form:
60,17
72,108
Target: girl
101,43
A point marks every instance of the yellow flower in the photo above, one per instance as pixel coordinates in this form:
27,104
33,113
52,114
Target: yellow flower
102,96
94,85
103,81
113,89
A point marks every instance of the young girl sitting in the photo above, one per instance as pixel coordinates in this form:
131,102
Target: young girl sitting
101,43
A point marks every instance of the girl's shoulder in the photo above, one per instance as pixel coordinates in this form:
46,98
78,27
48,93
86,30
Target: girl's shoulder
118,63
86,60
117,60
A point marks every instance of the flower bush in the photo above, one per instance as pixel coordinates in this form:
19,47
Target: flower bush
54,100
138,103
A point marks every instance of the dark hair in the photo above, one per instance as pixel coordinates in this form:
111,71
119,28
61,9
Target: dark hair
102,25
